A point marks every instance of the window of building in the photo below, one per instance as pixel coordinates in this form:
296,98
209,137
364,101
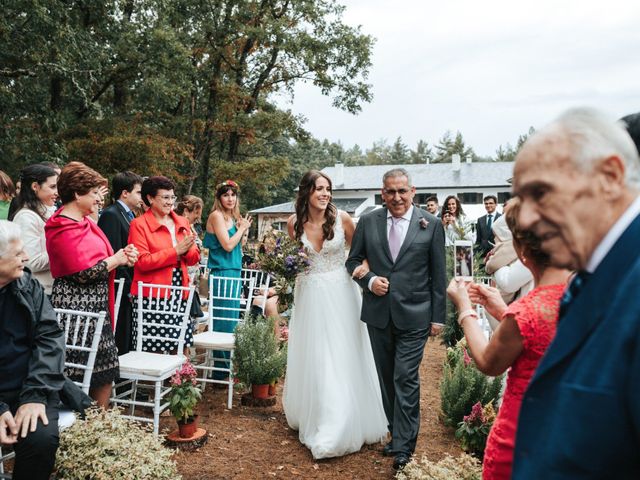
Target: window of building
421,198
470,197
280,226
503,197
378,199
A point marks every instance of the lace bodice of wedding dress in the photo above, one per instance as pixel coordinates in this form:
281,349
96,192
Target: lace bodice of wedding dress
332,255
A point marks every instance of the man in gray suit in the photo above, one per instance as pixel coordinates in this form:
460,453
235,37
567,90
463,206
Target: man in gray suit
404,297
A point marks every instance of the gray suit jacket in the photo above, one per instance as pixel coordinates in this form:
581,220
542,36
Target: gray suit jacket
417,279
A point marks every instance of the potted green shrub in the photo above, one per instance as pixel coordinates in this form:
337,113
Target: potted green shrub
183,398
258,358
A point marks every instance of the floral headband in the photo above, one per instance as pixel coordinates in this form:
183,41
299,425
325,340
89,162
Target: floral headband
228,183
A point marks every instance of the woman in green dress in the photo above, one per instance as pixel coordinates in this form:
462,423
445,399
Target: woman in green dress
7,192
225,230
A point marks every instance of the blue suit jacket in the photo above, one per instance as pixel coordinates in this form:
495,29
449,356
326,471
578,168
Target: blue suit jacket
580,416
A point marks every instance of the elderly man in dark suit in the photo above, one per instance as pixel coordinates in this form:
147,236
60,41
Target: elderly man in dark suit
484,233
31,363
580,416
114,222
404,299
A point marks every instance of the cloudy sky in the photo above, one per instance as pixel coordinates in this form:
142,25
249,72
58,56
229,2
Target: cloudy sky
487,68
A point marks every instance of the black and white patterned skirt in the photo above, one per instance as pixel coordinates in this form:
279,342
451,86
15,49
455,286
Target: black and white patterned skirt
162,346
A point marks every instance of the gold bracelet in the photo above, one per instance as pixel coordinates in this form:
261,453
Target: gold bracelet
466,313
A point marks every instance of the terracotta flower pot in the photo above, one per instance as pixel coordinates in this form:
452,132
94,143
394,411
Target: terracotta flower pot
260,391
188,429
272,389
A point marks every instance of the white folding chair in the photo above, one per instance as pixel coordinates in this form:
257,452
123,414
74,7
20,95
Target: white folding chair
224,305
262,282
118,284
78,337
81,349
141,365
4,458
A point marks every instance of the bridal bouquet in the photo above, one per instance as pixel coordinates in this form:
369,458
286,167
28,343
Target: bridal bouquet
284,259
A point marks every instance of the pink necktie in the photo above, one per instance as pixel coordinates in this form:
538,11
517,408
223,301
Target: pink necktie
394,237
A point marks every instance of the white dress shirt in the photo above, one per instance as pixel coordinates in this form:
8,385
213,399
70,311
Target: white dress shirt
613,235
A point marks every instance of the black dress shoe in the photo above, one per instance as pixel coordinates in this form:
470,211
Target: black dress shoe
401,460
387,451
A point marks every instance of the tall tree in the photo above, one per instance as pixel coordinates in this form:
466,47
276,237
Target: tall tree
422,154
198,74
399,152
448,145
253,49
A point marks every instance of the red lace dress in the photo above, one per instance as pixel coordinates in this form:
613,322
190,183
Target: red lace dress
537,316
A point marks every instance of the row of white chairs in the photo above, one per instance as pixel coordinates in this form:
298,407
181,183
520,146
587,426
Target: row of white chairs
229,300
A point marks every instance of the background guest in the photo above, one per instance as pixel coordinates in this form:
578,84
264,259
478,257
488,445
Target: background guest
632,124
526,330
460,227
36,203
83,267
167,247
512,279
484,232
114,222
102,195
432,205
7,192
190,207
450,232
223,238
31,363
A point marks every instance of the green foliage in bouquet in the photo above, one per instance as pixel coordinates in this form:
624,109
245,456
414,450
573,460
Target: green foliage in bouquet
474,429
463,385
259,358
284,259
464,467
106,446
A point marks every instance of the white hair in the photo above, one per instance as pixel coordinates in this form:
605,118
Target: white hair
594,136
9,233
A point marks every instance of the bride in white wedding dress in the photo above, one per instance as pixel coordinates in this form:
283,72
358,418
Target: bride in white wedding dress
331,390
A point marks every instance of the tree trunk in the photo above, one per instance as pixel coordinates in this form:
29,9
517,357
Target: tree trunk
56,93
120,96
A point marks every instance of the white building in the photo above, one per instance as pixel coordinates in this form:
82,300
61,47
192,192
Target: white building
357,190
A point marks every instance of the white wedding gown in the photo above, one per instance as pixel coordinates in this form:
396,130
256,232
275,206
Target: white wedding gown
331,391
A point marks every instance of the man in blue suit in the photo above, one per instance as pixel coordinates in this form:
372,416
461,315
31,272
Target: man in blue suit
580,416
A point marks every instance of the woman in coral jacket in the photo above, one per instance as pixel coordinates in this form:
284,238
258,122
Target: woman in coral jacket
166,247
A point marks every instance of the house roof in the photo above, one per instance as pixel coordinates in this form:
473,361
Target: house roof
432,176
349,205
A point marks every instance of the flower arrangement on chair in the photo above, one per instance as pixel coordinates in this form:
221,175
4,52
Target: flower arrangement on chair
284,259
183,398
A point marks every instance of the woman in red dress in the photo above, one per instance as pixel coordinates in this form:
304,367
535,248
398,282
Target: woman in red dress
528,325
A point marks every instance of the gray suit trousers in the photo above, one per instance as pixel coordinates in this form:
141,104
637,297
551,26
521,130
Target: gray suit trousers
398,354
